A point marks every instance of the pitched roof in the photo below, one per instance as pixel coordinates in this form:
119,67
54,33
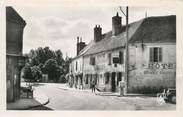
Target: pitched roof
149,30
110,42
156,30
13,16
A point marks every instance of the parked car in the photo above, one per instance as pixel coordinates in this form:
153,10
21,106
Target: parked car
171,95
168,95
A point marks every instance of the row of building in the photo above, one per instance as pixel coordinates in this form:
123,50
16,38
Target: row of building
152,56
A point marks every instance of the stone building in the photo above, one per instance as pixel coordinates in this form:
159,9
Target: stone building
14,58
152,51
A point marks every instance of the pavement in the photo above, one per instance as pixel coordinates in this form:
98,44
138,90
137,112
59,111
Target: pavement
38,99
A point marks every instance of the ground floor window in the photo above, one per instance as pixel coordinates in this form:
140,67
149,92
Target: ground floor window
107,76
86,81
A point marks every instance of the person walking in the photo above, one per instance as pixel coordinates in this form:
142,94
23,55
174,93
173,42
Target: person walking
93,86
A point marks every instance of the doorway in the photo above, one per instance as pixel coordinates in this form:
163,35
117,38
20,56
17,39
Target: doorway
113,83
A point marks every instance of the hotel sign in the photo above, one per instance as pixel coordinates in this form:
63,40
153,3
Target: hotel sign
160,68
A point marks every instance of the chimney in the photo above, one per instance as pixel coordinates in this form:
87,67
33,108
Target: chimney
116,25
77,39
97,33
80,39
80,45
77,46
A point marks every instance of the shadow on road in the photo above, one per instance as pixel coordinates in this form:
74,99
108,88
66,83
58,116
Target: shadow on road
41,108
38,84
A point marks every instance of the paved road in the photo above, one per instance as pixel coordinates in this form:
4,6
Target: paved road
65,99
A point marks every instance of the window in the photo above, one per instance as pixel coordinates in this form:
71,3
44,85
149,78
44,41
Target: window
109,59
86,82
121,57
155,54
92,60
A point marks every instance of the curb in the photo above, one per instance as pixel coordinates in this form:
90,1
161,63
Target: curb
29,107
63,88
37,105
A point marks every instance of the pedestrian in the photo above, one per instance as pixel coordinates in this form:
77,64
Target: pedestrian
93,86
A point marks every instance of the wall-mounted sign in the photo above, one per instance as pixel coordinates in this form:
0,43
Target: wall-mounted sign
161,66
115,60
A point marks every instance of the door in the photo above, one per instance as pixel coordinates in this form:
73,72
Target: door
113,83
119,78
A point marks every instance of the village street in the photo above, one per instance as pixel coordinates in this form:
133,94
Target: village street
70,99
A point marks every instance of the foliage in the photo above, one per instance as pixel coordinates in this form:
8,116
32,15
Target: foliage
59,58
27,73
46,61
67,63
36,73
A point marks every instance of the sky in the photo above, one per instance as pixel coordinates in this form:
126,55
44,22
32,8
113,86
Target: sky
57,26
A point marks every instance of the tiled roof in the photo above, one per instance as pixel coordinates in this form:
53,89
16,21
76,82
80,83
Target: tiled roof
110,42
148,30
156,30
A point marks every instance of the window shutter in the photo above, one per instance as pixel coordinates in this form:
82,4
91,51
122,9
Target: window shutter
120,57
93,60
155,54
151,55
160,54
109,58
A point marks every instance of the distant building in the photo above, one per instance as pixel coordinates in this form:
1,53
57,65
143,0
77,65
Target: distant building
152,56
14,58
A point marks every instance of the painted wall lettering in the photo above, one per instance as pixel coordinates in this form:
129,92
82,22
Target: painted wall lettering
157,72
161,66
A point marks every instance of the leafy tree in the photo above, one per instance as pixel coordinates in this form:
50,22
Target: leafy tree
46,61
51,67
59,58
27,73
49,54
67,63
32,58
36,73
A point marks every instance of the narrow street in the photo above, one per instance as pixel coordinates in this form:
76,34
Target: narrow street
65,99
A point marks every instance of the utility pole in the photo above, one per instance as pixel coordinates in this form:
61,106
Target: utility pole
127,52
126,48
